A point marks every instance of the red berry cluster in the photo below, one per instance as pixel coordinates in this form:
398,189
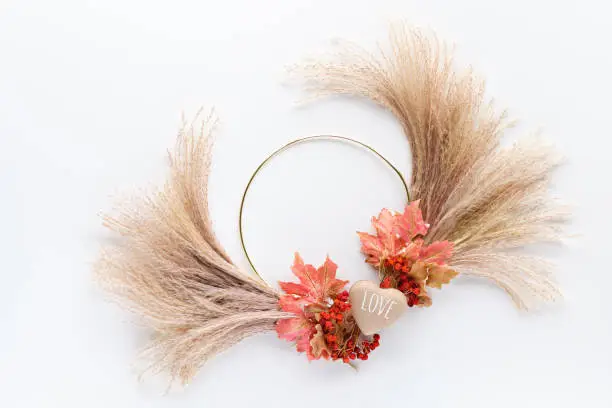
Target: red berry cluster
335,337
400,266
352,351
334,316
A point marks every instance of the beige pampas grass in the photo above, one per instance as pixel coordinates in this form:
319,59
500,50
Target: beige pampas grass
169,268
487,199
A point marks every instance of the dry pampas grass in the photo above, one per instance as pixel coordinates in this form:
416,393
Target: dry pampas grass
169,268
487,199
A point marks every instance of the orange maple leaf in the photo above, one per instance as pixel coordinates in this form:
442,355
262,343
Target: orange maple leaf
297,328
385,243
410,224
438,252
316,285
312,293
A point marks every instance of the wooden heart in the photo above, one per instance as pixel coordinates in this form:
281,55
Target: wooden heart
374,307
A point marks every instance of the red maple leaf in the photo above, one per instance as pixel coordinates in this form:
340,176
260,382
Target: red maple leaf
316,285
303,299
438,252
298,328
385,243
410,224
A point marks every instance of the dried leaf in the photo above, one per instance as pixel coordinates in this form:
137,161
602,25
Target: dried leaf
384,226
316,285
302,345
410,224
424,300
327,282
293,329
385,243
372,247
418,272
412,251
291,304
438,252
318,346
296,328
439,275
294,288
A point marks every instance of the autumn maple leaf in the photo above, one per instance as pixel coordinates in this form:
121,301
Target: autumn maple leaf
304,299
298,328
318,346
316,285
440,275
430,267
385,243
438,252
410,224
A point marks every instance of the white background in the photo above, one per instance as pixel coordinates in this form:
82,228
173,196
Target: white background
91,94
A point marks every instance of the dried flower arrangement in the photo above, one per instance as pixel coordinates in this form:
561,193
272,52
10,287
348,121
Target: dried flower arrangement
481,200
404,262
323,326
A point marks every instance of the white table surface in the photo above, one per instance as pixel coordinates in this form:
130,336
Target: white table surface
91,94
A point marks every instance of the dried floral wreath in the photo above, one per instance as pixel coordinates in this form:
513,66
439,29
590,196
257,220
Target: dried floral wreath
473,203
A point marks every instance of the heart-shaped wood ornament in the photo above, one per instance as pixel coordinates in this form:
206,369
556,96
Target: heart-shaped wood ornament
375,308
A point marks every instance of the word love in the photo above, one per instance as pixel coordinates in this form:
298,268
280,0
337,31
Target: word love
375,303
375,308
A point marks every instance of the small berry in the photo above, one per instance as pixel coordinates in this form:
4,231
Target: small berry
404,286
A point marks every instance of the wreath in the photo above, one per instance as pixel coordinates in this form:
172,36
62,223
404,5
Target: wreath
471,204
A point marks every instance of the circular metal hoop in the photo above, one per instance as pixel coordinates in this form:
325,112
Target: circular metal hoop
282,149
